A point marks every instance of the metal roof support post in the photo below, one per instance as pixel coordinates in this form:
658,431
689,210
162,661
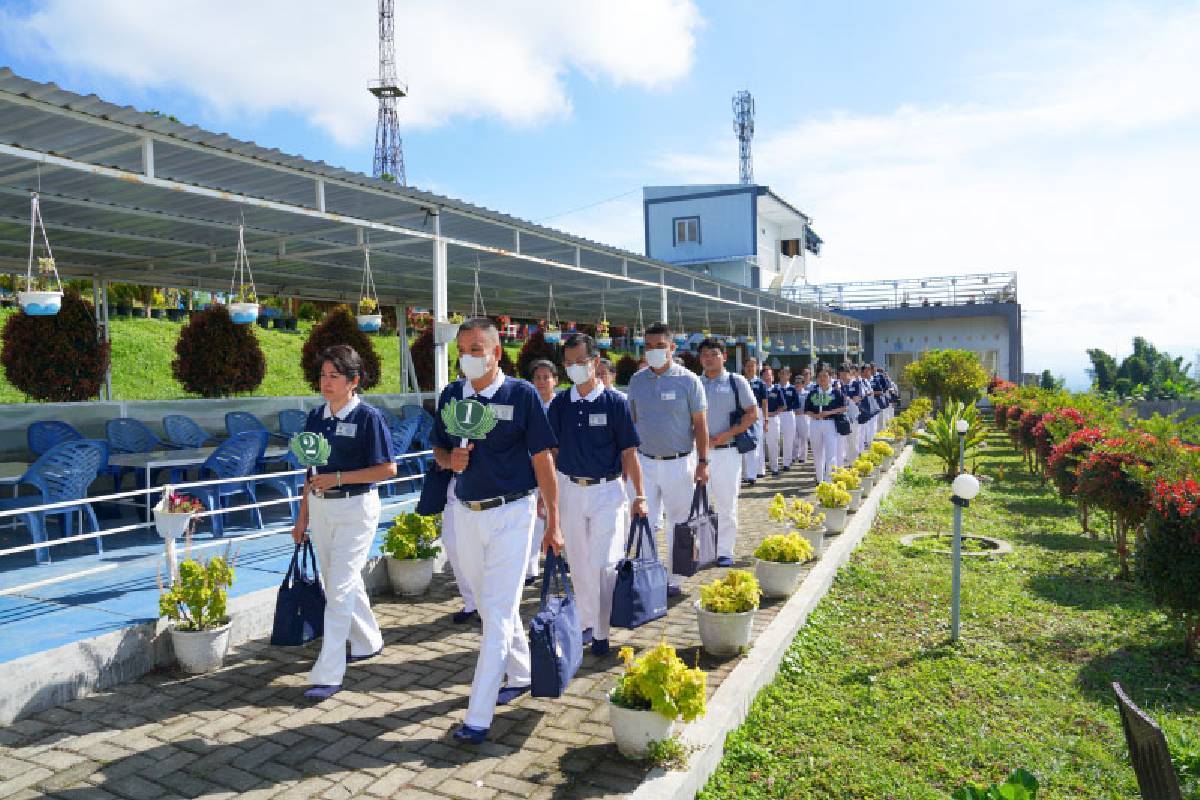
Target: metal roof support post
148,156
516,240
812,347
320,187
441,352
402,335
845,343
762,362
664,311
102,311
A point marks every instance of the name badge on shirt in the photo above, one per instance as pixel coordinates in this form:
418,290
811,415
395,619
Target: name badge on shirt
502,411
723,389
346,429
667,396
597,419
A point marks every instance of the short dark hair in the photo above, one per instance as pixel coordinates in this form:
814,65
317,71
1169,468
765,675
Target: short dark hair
542,363
576,339
843,367
346,360
658,329
711,344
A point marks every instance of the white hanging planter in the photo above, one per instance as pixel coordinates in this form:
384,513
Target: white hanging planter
816,538
835,519
369,323
40,304
731,341
725,634
410,576
639,340
634,729
552,335
368,318
680,339
243,299
776,578
243,313
40,298
199,652
170,526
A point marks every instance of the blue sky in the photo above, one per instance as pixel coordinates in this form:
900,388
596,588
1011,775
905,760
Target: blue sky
1056,139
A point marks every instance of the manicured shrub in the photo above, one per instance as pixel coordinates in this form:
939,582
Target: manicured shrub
690,361
535,349
1065,458
339,327
214,357
626,367
421,351
1168,554
56,358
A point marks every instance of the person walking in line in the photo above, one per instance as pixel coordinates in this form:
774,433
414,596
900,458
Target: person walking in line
339,511
787,419
597,443
771,426
754,463
800,381
822,405
496,478
669,407
731,412
543,375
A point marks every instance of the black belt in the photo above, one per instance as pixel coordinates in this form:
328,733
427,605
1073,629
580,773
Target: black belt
665,458
725,446
495,502
339,494
591,481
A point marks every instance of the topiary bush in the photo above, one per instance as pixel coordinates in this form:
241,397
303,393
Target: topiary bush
535,348
626,367
56,358
1168,553
339,327
215,357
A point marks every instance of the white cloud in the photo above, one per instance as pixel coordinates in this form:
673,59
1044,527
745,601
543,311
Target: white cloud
461,59
1082,179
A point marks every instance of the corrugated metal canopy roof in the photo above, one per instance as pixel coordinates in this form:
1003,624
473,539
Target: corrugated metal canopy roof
133,196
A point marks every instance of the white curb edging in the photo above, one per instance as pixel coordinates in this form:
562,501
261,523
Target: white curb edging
731,702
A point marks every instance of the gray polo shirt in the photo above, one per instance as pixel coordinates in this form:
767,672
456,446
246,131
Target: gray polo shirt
662,409
721,400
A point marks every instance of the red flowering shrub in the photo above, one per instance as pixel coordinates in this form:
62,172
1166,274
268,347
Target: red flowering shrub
1065,458
216,357
339,327
1025,426
1053,427
1000,413
56,358
1106,480
998,385
1168,554
1014,423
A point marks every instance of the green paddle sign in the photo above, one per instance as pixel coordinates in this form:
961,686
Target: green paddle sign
468,419
310,449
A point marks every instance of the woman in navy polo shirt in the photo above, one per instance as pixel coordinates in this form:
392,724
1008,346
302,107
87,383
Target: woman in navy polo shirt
342,506
822,405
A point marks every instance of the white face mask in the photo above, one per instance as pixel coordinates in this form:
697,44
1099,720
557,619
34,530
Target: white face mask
579,373
474,367
657,358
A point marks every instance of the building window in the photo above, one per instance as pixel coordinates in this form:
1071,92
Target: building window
687,230
991,361
789,247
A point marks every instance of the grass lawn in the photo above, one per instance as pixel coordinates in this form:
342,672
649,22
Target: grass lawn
872,702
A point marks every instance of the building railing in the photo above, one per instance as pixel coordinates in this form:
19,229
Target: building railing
948,290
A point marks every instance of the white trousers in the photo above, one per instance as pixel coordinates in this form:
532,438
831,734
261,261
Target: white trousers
825,442
342,531
849,450
592,520
800,451
495,549
724,480
535,548
669,488
752,461
787,429
450,542
773,441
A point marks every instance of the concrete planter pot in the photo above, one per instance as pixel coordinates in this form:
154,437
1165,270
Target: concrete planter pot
816,538
868,483
243,313
776,578
410,576
634,729
199,652
369,323
856,498
835,519
725,634
40,304
170,525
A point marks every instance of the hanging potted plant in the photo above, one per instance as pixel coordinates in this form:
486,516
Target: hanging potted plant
653,692
243,305
552,333
369,319
851,481
834,500
196,607
411,546
174,513
43,292
680,337
603,337
639,332
725,612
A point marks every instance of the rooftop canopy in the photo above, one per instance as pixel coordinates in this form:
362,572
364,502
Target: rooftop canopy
139,197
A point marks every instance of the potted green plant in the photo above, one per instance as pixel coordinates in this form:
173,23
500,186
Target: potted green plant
834,501
243,300
243,306
42,296
410,545
369,319
780,562
196,607
803,517
851,481
725,612
653,692
884,449
866,472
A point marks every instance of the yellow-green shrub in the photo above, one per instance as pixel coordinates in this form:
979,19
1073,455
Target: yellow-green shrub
659,681
735,593
848,479
832,495
789,548
413,536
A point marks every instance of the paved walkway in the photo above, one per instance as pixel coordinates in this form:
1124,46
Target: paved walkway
244,732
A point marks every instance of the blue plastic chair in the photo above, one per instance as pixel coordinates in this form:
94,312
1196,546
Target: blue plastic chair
43,435
287,485
292,421
241,421
183,431
128,435
64,472
422,439
403,433
236,457
409,411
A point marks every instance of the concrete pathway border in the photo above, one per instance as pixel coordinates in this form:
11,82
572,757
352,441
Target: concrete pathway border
731,702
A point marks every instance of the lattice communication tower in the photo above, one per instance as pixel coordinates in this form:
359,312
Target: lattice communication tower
389,149
743,126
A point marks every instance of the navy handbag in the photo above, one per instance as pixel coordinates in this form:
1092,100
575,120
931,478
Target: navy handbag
555,641
300,604
640,594
434,487
864,411
745,441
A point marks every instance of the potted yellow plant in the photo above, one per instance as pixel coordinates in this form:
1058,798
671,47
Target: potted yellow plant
866,472
834,501
410,545
725,612
851,481
885,450
803,517
780,562
368,318
196,607
651,694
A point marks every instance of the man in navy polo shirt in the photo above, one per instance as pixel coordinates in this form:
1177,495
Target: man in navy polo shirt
493,519
596,444
754,463
775,406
